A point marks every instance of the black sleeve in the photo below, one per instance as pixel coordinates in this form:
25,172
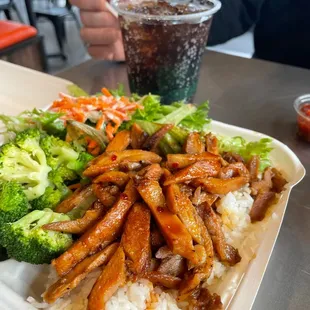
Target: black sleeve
234,19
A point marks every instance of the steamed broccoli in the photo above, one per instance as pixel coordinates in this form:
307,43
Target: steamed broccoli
50,199
25,240
13,202
58,152
79,165
24,161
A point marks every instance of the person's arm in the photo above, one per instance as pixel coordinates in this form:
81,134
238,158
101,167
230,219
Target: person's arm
234,19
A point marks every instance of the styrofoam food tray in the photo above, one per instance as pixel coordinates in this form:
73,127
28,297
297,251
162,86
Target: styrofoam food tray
22,89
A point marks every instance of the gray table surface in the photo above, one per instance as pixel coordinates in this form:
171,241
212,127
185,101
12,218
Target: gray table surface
256,95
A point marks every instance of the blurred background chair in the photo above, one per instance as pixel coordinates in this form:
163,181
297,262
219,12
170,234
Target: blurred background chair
56,13
22,45
7,6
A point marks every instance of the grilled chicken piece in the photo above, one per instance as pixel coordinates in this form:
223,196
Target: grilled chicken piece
102,234
260,206
174,265
202,299
234,170
138,136
194,277
278,181
201,196
232,158
165,280
120,142
67,283
193,144
83,195
211,144
151,172
106,194
79,226
180,161
116,177
253,167
112,277
226,252
152,142
112,160
174,232
221,186
136,238
181,205
186,189
264,185
157,239
200,169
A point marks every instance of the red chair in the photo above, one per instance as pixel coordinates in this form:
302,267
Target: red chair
21,44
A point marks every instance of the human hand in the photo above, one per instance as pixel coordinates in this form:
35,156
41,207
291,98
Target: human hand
101,30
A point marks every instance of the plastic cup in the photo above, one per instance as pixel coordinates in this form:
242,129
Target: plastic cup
164,51
302,107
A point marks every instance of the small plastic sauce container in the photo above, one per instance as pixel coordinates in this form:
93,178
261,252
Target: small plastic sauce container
302,107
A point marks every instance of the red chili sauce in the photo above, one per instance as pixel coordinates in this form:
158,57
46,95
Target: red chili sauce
304,121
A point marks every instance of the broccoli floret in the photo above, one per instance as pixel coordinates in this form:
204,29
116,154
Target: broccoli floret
58,152
13,202
50,199
25,240
24,161
79,165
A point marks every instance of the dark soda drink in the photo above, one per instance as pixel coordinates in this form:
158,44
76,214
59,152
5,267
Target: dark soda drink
164,42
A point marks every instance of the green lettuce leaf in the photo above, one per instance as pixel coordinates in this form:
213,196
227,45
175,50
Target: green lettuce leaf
76,91
240,146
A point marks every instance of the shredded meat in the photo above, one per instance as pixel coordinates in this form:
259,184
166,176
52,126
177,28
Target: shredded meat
232,158
212,144
260,206
193,144
226,252
202,299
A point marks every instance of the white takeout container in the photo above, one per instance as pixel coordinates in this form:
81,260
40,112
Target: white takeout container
22,89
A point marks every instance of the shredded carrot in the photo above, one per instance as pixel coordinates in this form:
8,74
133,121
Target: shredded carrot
95,151
92,144
74,186
104,108
100,122
106,92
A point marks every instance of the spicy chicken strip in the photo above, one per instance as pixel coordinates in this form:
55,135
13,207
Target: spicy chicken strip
81,195
136,238
212,143
152,142
200,169
165,280
176,235
67,283
261,204
120,142
221,186
80,225
179,161
138,136
180,204
112,277
116,177
200,273
113,160
193,144
103,233
106,194
225,251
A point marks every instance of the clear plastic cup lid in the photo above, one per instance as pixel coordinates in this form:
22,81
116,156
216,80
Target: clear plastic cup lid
205,9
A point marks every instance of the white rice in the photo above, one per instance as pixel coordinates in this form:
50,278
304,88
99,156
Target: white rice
234,209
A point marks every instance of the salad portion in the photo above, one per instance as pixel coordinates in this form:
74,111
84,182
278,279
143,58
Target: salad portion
126,197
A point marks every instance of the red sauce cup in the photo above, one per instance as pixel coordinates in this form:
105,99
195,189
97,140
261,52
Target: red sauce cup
302,107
